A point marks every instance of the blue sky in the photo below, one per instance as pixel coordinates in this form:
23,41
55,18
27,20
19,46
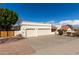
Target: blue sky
44,12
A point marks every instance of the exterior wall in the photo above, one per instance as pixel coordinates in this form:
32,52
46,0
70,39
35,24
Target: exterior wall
65,27
20,32
16,33
30,29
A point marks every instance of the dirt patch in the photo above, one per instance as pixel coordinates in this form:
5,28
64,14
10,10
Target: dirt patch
10,39
20,47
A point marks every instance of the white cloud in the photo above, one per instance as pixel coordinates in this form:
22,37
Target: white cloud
53,23
76,22
71,22
64,22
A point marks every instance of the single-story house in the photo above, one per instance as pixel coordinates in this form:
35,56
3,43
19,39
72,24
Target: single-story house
33,29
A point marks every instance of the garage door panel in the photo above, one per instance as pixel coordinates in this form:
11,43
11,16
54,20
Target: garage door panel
31,33
43,32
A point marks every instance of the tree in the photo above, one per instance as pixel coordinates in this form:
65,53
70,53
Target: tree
7,19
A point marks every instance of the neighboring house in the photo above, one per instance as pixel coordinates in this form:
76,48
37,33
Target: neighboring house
70,27
65,27
33,29
69,30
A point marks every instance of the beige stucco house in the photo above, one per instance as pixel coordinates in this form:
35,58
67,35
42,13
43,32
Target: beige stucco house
33,29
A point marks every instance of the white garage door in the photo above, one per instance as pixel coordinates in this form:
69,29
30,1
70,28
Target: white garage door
31,33
43,32
37,32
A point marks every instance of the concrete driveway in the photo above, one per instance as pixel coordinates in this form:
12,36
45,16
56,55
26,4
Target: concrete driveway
54,44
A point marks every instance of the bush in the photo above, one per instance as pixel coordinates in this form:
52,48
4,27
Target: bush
19,36
60,32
